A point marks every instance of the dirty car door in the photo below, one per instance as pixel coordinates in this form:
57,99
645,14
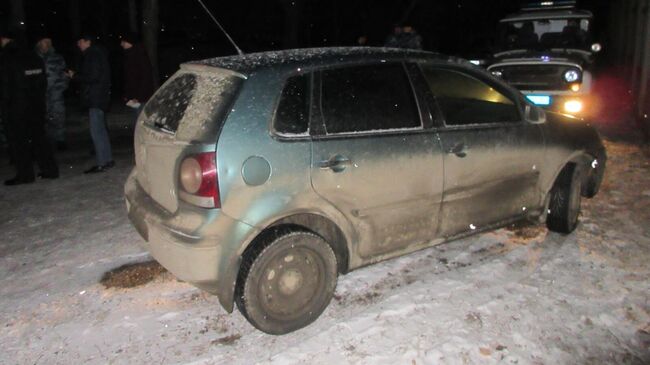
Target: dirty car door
373,160
491,156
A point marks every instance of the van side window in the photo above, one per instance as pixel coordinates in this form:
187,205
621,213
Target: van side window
464,99
368,98
292,115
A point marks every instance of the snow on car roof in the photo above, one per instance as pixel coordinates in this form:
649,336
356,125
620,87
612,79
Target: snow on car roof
550,14
251,62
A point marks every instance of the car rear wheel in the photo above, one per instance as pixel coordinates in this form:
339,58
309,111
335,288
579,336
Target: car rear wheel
564,205
286,284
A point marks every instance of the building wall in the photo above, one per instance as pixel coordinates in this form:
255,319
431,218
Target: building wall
629,43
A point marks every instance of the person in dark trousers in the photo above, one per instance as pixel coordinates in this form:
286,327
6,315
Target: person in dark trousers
138,75
95,83
57,83
23,85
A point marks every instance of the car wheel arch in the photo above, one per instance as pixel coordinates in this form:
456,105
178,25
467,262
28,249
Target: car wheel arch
580,158
323,227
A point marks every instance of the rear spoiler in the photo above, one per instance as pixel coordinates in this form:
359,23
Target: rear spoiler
200,68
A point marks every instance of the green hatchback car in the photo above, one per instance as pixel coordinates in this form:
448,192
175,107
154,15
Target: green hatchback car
261,178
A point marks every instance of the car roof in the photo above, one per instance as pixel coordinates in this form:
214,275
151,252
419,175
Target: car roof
308,57
547,14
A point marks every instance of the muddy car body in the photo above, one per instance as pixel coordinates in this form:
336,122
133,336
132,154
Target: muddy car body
548,52
260,178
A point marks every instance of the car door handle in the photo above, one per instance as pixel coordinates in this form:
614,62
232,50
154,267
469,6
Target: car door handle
459,150
335,163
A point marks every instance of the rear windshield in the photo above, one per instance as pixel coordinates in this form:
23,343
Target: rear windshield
168,106
192,104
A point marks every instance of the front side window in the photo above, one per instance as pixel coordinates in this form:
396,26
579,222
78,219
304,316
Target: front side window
464,99
368,98
292,115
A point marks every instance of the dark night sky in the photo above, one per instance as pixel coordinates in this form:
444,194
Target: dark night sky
459,27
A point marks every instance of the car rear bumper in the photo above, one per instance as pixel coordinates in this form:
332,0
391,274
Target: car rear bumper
200,246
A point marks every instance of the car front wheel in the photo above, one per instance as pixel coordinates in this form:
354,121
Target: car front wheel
564,205
286,284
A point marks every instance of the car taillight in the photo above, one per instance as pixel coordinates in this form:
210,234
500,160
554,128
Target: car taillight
199,181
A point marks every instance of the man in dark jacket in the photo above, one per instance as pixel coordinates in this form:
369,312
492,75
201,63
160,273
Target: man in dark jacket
95,80
138,76
410,38
404,37
392,41
22,90
57,83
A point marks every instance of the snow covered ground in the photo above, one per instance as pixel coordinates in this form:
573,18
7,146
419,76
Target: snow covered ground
508,296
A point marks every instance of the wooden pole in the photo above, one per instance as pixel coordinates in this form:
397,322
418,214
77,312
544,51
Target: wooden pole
133,16
642,102
150,29
75,18
17,16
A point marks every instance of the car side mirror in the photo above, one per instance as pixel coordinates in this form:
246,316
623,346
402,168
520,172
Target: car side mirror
534,114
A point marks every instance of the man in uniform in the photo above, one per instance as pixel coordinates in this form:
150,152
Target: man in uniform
57,83
22,91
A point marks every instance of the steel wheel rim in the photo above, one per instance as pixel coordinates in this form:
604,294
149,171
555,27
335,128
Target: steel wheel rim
291,282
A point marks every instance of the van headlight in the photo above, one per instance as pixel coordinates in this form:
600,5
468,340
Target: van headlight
573,106
571,76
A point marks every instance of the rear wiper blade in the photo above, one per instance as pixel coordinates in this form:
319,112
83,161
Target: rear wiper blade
162,127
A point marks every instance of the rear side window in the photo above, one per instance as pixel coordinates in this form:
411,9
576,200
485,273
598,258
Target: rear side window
368,98
168,105
292,115
464,99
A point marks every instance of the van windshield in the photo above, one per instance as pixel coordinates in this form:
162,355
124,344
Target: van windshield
545,34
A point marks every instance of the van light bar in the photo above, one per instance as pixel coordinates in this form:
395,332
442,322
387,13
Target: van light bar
546,4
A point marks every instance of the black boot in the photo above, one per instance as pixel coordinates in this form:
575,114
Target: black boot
18,181
100,168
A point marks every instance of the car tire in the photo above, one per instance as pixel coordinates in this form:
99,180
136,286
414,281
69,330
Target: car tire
285,284
564,204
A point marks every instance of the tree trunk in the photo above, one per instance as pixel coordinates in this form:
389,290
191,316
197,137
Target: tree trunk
104,14
150,28
74,18
336,23
17,17
292,23
133,16
403,20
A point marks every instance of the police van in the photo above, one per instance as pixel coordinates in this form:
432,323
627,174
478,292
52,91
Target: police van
547,51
